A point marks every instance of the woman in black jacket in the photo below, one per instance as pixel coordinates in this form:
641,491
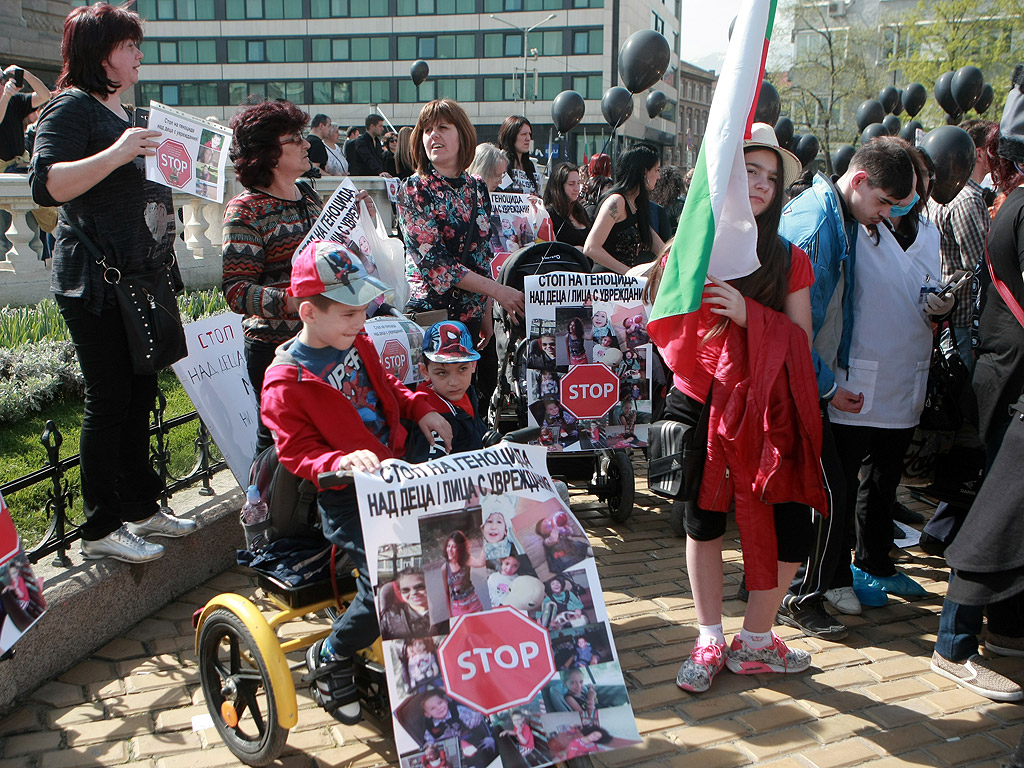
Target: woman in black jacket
569,220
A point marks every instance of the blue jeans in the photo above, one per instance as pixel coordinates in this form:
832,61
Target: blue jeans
960,625
357,627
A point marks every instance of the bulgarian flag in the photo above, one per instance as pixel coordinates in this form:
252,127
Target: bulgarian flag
717,234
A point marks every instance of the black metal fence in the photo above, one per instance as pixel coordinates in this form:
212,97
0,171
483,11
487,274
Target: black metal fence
61,533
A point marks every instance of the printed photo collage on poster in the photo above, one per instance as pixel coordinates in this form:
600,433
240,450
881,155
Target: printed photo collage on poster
574,325
488,551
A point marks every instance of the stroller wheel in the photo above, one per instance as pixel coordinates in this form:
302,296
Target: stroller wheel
621,486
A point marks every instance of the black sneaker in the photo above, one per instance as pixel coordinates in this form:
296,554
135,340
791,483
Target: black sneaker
932,545
812,619
904,514
332,682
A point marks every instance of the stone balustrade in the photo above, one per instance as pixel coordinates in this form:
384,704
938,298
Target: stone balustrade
25,277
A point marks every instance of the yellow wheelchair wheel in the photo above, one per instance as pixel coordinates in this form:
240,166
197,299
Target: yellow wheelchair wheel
239,690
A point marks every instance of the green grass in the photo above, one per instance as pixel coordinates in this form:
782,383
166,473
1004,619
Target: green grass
22,452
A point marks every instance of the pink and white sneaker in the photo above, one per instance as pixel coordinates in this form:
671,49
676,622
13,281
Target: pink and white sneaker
697,672
774,657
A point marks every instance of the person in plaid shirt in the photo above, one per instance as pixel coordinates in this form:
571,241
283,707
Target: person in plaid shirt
963,228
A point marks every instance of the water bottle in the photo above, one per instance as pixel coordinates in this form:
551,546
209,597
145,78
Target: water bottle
255,519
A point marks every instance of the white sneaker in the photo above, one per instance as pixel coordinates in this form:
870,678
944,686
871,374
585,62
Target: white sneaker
163,523
844,600
122,545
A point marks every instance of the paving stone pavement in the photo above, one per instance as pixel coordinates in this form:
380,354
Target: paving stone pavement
869,700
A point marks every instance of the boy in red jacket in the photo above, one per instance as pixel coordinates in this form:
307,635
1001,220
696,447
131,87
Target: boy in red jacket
331,406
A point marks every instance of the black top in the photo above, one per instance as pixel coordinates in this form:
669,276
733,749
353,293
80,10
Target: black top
999,371
130,220
317,151
623,242
365,156
566,232
12,129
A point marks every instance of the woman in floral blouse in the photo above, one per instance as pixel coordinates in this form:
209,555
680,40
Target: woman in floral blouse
446,223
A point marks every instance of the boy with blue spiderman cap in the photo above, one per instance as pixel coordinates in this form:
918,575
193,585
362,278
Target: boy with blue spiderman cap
331,406
448,367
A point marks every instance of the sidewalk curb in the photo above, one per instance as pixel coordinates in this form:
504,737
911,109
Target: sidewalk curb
91,603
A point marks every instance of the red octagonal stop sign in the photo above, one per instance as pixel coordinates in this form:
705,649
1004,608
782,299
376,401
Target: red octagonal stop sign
589,391
395,358
496,659
174,163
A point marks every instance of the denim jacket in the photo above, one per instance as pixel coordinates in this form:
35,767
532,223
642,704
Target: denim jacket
814,222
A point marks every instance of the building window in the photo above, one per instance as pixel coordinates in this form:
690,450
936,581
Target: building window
439,47
263,9
588,3
180,52
659,23
330,9
547,43
435,7
588,86
499,44
588,42
183,10
669,113
502,89
350,49
174,94
293,91
351,91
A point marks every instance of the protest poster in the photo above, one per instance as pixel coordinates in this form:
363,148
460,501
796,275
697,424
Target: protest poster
399,342
588,363
215,377
495,632
192,155
393,185
517,221
21,593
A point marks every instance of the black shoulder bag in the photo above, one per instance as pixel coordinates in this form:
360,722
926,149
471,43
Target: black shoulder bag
149,310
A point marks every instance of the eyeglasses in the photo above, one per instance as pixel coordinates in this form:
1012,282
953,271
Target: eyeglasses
413,588
294,139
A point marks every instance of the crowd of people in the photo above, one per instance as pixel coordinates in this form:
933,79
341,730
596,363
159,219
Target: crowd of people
805,344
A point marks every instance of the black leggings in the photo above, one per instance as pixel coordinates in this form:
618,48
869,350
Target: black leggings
793,521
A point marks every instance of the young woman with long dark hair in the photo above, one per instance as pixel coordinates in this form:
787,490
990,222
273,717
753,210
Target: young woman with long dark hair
569,219
514,139
622,236
779,286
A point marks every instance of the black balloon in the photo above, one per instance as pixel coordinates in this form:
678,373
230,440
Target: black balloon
944,95
567,109
616,106
419,71
807,148
889,98
984,100
952,151
966,87
784,132
643,59
955,119
898,109
656,103
870,111
914,97
873,131
768,104
841,158
909,131
892,124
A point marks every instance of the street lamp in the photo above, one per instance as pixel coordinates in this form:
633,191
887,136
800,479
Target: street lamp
525,31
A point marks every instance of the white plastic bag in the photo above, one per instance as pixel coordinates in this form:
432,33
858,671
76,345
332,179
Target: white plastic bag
388,256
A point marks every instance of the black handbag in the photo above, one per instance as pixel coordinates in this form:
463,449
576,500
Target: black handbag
676,453
947,379
149,311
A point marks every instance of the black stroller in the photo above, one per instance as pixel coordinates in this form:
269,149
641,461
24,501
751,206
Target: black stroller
608,471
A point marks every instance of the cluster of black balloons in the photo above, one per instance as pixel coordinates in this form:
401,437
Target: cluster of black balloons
769,106
963,90
643,61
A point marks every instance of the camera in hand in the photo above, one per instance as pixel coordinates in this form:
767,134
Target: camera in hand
140,118
17,74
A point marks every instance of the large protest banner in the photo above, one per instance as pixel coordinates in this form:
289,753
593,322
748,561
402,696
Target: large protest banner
495,632
192,155
588,360
215,377
21,593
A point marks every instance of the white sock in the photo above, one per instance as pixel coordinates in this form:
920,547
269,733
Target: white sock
712,633
756,640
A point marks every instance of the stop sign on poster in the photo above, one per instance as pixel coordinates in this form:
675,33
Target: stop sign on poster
395,358
589,391
496,660
174,163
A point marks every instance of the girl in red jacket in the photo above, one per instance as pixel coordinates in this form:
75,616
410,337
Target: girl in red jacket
780,285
